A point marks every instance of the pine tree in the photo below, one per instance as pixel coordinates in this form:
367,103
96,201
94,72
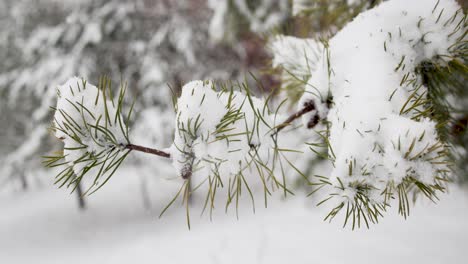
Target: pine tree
381,103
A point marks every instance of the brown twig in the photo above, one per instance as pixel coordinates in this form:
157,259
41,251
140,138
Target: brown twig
148,150
186,171
308,107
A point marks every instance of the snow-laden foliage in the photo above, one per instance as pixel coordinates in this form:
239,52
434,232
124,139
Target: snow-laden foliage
147,43
382,139
226,140
94,132
229,137
367,112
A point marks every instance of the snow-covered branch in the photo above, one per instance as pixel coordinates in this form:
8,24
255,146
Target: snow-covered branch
383,140
365,101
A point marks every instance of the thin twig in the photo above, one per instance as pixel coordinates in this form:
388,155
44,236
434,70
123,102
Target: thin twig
148,150
308,107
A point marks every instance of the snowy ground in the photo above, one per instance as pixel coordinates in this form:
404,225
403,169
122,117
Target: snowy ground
44,226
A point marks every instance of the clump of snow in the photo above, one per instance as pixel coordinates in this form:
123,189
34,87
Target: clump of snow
378,136
199,140
85,121
226,134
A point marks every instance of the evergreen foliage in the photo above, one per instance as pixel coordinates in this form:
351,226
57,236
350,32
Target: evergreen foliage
147,43
228,141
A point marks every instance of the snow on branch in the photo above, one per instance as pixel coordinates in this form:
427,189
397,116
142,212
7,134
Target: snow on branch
383,141
90,122
223,135
225,138
365,101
